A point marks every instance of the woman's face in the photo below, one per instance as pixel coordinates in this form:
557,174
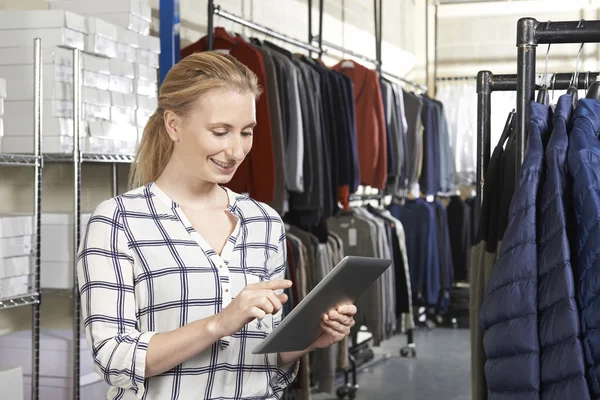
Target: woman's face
213,140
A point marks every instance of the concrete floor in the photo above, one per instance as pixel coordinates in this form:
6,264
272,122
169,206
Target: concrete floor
441,370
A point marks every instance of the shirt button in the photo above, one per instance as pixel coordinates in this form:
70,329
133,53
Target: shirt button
226,290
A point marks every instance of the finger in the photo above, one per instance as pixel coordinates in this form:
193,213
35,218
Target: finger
343,319
263,303
257,312
274,299
340,328
348,309
333,334
272,285
283,298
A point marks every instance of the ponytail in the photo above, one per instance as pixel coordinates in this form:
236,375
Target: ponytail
153,153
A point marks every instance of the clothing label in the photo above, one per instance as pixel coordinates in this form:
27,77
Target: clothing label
225,51
352,237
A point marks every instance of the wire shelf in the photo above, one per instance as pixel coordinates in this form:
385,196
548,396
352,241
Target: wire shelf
18,159
90,158
19,301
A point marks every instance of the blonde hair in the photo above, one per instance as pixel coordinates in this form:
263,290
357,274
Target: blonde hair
190,79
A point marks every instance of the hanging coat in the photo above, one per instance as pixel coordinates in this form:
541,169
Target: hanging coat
508,314
584,168
562,365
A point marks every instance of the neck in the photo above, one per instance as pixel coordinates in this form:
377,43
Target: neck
187,190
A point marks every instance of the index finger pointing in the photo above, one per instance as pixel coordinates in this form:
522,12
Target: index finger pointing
272,285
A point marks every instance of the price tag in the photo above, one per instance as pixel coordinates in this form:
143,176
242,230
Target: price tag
352,237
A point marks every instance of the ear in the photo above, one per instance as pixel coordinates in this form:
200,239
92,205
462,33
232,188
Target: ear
173,125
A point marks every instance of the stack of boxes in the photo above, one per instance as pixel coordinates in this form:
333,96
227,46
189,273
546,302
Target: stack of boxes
16,243
57,261
2,97
117,66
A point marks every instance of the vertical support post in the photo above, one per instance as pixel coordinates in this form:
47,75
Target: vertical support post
76,216
380,33
526,48
427,43
115,179
484,112
310,35
321,11
170,46
210,25
37,216
435,48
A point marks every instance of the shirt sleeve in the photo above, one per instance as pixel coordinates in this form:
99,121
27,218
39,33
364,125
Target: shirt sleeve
283,375
105,277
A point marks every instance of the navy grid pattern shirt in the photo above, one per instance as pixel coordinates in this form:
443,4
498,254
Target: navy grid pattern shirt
143,269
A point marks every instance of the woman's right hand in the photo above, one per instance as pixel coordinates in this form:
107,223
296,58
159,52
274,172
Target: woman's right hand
255,301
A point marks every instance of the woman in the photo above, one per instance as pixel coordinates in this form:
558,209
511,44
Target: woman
180,279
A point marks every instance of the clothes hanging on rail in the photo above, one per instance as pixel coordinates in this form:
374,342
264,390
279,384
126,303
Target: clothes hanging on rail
428,242
533,285
460,227
371,232
371,126
484,255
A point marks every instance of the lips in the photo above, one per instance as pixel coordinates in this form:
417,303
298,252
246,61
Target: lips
223,165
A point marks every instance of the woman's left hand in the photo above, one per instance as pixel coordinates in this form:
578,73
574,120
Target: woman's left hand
336,326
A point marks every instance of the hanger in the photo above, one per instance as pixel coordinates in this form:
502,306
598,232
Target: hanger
572,90
508,127
543,97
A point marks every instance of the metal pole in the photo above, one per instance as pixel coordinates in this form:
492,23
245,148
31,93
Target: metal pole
310,36
37,215
211,21
321,11
376,31
484,111
427,43
76,216
435,48
526,48
115,179
380,32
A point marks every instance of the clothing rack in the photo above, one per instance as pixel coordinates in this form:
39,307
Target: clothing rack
487,83
216,10
456,78
530,33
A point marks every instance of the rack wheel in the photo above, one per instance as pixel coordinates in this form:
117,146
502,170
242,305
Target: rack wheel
346,392
408,352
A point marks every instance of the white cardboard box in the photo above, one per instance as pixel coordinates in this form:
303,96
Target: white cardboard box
147,103
93,7
51,126
40,19
129,21
51,36
14,225
101,45
100,27
15,246
146,73
57,236
15,286
52,144
11,383
151,43
15,266
122,84
145,88
122,68
53,55
127,100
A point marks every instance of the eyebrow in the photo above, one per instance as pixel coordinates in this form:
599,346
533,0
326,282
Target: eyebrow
229,126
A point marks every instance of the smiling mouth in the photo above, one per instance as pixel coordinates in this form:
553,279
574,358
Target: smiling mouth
222,164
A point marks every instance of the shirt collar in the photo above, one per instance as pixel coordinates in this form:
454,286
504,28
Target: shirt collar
232,198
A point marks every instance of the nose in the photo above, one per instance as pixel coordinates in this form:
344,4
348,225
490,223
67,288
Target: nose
236,148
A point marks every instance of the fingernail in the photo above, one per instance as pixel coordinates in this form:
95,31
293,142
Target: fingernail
326,317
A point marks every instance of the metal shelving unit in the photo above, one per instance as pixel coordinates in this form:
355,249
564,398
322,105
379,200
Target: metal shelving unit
32,160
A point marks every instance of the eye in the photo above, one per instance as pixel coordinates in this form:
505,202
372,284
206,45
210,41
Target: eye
247,133
220,134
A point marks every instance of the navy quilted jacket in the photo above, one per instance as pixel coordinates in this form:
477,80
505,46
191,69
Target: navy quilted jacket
584,168
561,354
508,314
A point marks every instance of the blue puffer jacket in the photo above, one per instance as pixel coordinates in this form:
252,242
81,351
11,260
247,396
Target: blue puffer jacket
584,168
562,364
508,314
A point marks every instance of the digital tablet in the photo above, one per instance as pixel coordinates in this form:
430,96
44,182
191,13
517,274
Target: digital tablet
343,285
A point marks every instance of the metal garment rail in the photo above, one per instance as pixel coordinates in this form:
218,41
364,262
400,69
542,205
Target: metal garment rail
216,10
487,83
530,33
